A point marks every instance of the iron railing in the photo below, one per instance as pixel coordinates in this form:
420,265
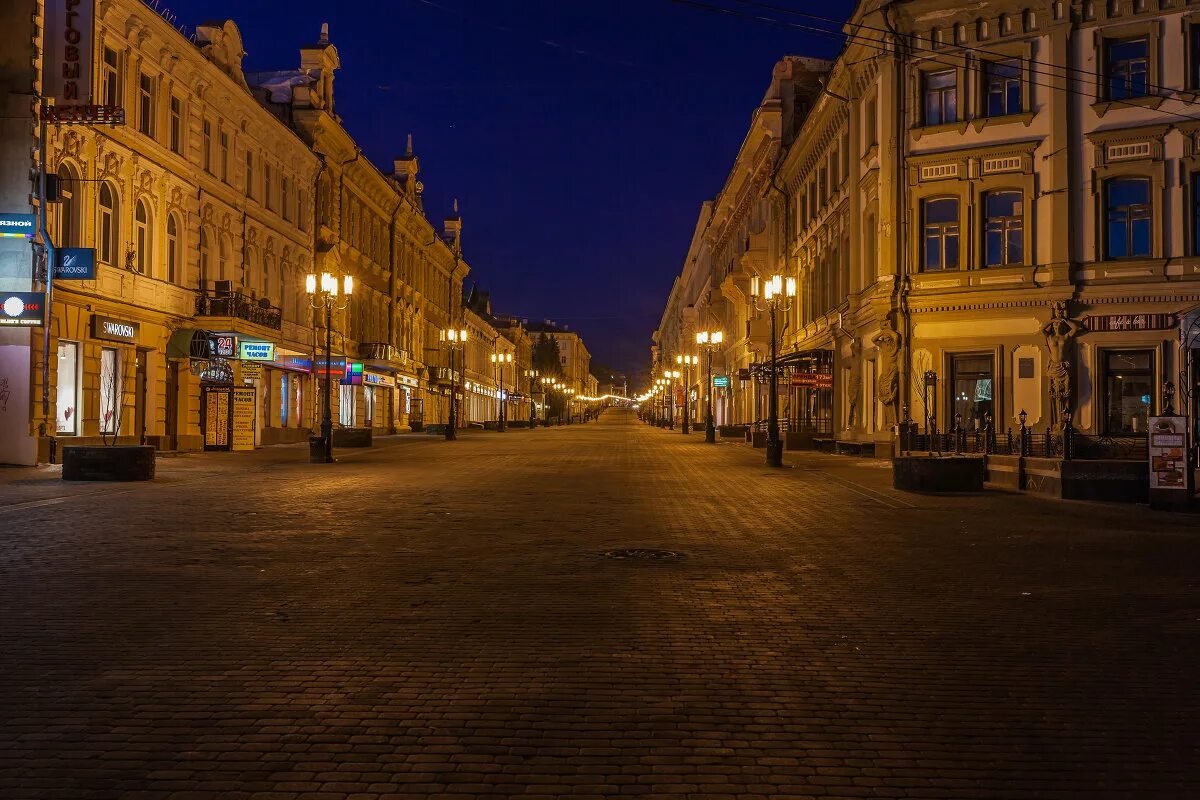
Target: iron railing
1065,443
239,306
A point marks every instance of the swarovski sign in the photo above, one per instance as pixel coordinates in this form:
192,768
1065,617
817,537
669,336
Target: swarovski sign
114,330
67,62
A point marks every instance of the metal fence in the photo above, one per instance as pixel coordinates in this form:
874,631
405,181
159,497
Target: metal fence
1065,443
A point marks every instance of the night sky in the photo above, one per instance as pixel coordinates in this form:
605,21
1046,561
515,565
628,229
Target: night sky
579,136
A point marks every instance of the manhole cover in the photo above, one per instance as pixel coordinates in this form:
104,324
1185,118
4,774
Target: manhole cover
643,554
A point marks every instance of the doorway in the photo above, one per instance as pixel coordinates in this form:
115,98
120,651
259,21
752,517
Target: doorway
140,388
171,411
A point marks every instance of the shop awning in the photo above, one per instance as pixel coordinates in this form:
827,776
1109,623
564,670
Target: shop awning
188,343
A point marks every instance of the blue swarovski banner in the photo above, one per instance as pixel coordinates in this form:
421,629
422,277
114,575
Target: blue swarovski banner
17,225
76,264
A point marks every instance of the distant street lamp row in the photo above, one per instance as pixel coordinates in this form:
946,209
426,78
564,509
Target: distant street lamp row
772,296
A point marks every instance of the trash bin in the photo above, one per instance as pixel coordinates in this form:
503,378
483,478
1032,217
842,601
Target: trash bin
316,449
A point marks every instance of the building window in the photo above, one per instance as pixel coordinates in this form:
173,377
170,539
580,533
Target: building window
939,220
173,249
268,195
109,225
1196,213
1002,84
205,259
285,398
971,381
1003,229
1128,218
110,78
283,198
369,403
67,396
67,208
1194,57
224,140
940,97
1127,68
145,104
346,406
870,125
142,234
206,145
176,134
1128,391
302,209
110,391
249,174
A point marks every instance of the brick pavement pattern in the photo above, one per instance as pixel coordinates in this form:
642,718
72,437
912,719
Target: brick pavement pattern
437,619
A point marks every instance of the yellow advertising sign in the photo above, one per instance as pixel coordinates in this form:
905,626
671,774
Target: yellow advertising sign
243,417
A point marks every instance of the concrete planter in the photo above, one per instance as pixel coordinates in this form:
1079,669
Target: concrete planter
416,426
352,437
758,439
938,474
436,429
1088,479
100,463
798,440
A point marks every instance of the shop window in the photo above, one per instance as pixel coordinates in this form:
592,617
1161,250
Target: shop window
971,379
67,403
1128,391
173,249
1127,68
142,237
1002,87
110,391
939,219
175,135
939,92
205,260
346,407
1128,218
1003,229
369,402
109,231
285,398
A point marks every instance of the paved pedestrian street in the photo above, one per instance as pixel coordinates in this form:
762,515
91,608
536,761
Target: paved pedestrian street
433,619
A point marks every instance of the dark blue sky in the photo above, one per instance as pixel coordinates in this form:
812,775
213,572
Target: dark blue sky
579,136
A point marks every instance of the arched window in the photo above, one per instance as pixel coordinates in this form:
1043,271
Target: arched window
174,249
268,263
110,226
143,237
205,261
67,226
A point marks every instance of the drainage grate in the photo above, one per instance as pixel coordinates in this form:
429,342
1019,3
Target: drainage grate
643,554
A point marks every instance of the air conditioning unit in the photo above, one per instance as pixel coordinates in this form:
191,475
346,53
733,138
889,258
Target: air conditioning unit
222,288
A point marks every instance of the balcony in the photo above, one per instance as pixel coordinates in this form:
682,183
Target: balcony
235,305
381,351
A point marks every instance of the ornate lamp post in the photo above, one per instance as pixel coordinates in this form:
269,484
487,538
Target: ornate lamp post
546,386
454,339
570,402
687,362
532,375
500,359
773,296
709,341
325,296
671,376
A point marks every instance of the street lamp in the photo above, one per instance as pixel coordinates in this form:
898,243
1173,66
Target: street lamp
570,402
500,359
453,339
776,295
532,374
671,376
687,362
709,341
325,295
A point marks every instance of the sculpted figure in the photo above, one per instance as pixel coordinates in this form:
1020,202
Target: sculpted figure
887,341
1059,332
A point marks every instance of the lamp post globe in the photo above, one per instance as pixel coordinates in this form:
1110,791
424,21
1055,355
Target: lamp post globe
773,296
323,294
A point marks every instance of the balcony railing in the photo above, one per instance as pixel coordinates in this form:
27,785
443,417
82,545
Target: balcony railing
239,306
381,351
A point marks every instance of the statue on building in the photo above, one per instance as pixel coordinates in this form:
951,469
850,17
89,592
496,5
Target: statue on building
854,385
887,342
1059,333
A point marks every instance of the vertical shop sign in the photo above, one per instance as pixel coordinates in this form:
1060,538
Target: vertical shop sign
243,417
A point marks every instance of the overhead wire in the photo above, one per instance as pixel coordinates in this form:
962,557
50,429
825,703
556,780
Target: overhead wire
873,44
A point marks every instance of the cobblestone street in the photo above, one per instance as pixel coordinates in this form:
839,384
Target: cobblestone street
433,619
